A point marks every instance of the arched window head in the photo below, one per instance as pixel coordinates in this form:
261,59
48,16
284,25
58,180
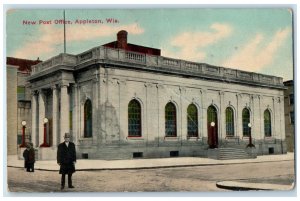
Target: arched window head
170,120
88,119
246,121
134,119
192,121
229,122
267,123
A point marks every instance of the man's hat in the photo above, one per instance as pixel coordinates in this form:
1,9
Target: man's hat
67,135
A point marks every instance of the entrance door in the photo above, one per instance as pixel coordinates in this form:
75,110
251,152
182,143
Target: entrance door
212,127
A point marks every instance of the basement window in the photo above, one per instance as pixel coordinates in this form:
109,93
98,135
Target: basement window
137,155
85,156
174,153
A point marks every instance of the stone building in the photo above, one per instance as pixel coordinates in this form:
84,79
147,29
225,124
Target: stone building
289,112
124,101
18,101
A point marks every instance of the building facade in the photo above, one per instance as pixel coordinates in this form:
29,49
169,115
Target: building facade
11,102
119,103
289,113
18,102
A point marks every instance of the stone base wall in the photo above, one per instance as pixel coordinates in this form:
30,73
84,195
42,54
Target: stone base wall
111,152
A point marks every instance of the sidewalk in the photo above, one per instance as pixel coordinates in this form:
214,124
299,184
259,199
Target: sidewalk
87,164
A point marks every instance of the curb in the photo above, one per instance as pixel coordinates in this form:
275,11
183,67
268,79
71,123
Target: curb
245,186
154,167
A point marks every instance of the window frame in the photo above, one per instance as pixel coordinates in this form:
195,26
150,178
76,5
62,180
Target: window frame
192,128
88,132
170,117
134,110
229,124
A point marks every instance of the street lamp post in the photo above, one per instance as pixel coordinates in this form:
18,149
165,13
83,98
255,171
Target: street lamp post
250,136
45,144
212,124
23,133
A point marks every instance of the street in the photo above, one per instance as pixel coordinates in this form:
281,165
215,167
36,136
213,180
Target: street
181,179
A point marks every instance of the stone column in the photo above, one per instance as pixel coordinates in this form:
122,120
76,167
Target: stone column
64,112
55,116
75,109
222,127
34,121
41,113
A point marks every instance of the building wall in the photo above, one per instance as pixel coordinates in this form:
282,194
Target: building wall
24,105
12,112
113,90
288,111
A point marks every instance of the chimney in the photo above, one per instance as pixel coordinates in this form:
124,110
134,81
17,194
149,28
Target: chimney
122,39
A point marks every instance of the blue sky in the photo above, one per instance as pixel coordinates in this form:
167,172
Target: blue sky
256,40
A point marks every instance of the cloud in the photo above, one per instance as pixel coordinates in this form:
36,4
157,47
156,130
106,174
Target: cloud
256,54
191,44
52,36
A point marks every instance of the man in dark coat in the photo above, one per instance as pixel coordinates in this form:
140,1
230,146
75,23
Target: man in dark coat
29,158
66,159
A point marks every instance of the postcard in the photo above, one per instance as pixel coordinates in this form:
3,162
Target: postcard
150,100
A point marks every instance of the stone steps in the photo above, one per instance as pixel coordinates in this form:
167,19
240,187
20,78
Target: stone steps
232,153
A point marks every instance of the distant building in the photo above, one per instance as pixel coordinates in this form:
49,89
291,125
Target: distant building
18,101
125,101
289,113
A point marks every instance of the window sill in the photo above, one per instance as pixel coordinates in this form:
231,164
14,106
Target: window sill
171,138
269,138
135,138
194,138
86,139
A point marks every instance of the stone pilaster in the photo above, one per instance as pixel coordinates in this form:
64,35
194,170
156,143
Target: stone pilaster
64,112
34,121
222,127
41,98
204,112
55,113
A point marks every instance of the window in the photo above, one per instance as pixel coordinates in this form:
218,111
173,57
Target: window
229,122
291,99
170,120
246,121
88,114
134,119
192,121
21,92
267,123
292,118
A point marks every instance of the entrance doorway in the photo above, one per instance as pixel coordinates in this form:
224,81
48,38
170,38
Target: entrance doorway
212,127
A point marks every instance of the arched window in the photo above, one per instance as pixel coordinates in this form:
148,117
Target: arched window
267,123
134,119
170,120
192,121
88,119
229,122
246,121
